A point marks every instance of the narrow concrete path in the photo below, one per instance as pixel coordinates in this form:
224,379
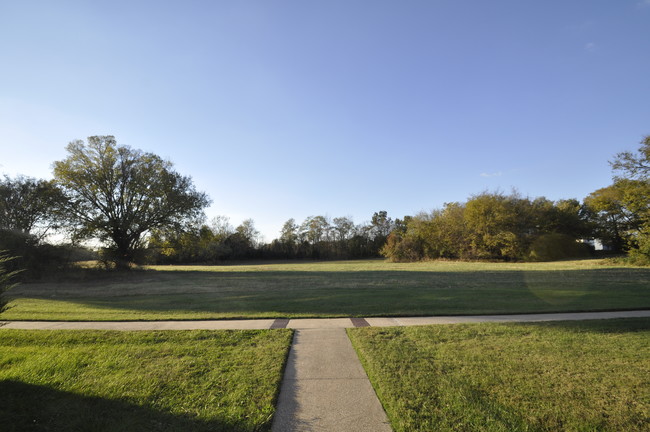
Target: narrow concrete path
325,388
312,323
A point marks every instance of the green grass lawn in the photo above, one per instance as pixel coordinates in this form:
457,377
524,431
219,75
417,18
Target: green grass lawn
334,289
577,376
140,381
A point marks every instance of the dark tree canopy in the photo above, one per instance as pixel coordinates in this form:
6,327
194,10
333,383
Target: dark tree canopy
118,194
5,279
28,205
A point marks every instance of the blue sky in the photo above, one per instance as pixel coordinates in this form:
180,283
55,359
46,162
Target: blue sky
286,109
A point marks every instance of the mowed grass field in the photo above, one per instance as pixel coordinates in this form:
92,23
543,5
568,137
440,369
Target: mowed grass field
140,381
335,289
573,376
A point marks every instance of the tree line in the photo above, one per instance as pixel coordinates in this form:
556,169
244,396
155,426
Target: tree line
497,226
317,237
493,226
138,209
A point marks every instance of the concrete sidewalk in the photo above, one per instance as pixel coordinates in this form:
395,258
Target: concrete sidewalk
312,323
325,388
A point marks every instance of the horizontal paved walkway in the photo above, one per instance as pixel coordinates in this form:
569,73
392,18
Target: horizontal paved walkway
312,323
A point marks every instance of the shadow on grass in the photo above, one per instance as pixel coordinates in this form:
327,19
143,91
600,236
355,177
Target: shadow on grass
607,326
248,294
27,407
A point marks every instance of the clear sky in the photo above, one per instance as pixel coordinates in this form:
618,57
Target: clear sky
286,109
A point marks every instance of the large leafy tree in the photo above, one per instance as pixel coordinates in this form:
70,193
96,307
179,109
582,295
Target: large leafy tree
343,228
635,166
119,195
289,233
612,221
620,212
632,179
381,225
28,206
314,229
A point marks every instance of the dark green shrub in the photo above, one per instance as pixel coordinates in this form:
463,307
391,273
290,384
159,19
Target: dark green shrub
641,254
33,259
5,279
400,249
554,247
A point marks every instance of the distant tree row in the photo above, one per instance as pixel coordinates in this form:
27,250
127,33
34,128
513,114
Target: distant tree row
317,237
204,243
136,208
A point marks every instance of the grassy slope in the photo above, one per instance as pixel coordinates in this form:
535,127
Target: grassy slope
162,381
592,375
351,288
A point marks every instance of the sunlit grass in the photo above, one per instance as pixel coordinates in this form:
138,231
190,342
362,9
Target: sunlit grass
512,377
383,265
335,289
140,381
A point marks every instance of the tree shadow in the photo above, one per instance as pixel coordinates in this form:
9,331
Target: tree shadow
270,293
610,326
28,407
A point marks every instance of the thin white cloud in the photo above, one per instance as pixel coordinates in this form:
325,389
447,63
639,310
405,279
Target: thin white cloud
590,47
495,174
644,3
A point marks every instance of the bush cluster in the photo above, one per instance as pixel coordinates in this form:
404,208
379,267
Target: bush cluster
493,226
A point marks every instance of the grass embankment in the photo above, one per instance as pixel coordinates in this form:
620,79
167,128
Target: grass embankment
334,289
592,375
140,381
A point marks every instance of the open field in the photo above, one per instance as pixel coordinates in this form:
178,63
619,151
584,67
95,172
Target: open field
144,381
334,289
592,375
